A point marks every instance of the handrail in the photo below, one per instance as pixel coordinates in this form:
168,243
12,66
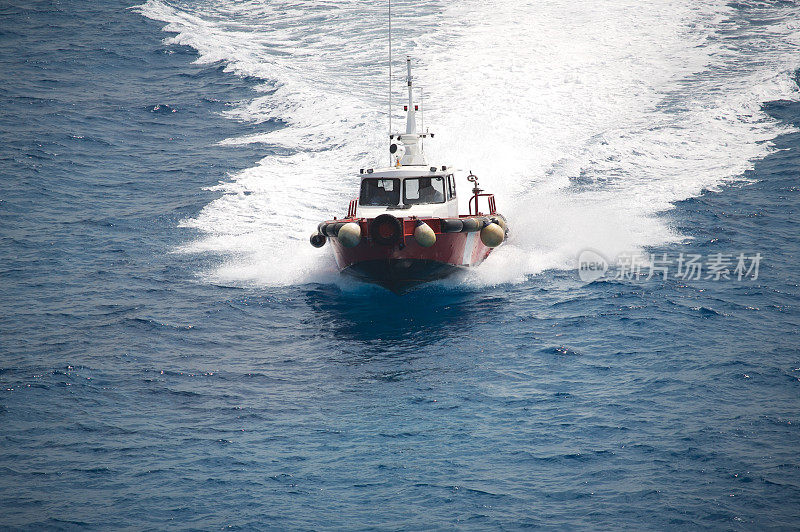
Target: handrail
473,203
351,210
477,192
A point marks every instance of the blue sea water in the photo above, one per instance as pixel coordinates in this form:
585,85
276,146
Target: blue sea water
138,390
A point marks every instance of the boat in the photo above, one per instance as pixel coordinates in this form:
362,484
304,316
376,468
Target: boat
405,229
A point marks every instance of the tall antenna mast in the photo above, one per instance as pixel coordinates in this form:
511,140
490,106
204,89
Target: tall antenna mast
411,121
390,71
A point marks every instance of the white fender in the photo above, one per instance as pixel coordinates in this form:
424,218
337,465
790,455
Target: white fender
424,235
492,235
350,235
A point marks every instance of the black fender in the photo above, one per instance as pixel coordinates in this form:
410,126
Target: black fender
330,229
452,225
470,225
318,240
385,230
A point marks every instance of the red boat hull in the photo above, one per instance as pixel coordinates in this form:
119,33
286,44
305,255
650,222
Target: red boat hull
406,264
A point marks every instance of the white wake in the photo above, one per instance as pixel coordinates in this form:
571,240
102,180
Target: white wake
587,120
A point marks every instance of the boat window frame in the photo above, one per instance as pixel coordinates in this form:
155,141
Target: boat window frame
406,201
451,184
396,181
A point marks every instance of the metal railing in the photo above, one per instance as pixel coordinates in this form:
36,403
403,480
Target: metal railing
473,203
351,210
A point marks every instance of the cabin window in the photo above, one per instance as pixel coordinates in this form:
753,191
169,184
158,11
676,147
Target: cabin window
451,185
379,192
423,190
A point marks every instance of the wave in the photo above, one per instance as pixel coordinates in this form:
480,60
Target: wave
588,121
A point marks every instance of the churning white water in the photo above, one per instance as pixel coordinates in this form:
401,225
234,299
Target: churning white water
588,120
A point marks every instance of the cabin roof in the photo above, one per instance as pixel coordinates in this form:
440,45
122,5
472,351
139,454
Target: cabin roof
407,171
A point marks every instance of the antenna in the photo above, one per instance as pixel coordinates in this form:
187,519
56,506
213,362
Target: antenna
390,72
422,113
422,107
411,122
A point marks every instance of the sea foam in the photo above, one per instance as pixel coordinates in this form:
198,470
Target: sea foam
588,121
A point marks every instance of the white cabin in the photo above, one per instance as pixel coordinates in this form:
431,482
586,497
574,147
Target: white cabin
411,187
408,191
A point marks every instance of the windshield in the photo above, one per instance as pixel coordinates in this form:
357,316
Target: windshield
380,192
423,190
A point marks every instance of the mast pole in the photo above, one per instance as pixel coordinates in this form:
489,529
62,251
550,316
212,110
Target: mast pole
411,123
390,74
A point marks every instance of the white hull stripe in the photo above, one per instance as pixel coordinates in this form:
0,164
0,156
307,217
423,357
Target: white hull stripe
469,247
